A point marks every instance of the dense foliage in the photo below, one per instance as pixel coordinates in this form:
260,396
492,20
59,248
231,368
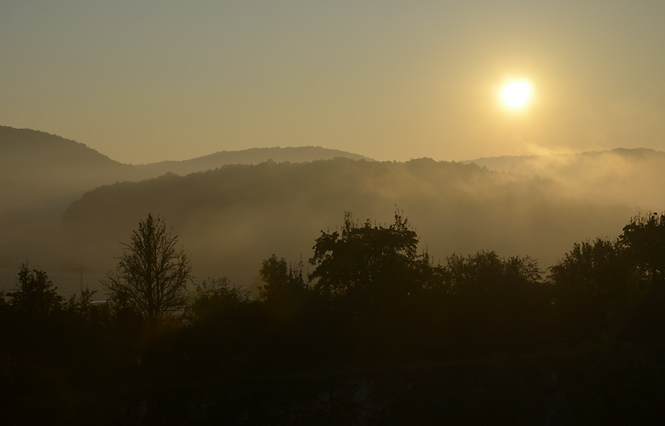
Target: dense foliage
372,301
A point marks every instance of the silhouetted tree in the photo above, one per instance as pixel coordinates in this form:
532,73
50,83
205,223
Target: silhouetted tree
644,241
35,293
495,301
213,297
282,282
372,265
221,325
643,245
487,274
599,283
151,274
81,305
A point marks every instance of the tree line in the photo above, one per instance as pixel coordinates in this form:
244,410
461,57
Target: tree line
372,300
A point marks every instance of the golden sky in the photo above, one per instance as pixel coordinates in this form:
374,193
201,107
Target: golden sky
145,80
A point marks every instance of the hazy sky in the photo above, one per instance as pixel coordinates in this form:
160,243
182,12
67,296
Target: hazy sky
144,81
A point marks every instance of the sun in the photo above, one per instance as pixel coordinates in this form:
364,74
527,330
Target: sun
516,93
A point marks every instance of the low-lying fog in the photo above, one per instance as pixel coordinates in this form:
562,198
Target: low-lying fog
233,217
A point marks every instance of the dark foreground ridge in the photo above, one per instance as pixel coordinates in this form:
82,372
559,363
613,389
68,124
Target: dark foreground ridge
376,334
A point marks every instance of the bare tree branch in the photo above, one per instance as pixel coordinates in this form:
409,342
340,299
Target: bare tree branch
151,274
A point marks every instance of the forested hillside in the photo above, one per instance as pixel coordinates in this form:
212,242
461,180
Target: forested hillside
41,174
233,217
41,170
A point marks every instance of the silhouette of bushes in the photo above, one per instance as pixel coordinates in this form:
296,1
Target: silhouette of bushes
372,302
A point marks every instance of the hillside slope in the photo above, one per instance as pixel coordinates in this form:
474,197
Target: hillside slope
41,174
38,168
232,218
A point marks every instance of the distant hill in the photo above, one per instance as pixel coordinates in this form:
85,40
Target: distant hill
33,156
41,174
632,176
38,168
234,209
232,218
246,156
41,170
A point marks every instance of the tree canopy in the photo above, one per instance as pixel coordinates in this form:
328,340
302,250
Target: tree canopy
644,240
373,304
152,272
369,265
35,293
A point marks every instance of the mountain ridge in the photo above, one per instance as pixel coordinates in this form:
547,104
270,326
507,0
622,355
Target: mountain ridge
12,138
248,156
44,170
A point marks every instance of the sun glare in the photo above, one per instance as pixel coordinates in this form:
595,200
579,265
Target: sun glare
516,94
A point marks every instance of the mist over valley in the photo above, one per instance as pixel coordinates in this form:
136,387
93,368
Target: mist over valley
332,213
66,207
